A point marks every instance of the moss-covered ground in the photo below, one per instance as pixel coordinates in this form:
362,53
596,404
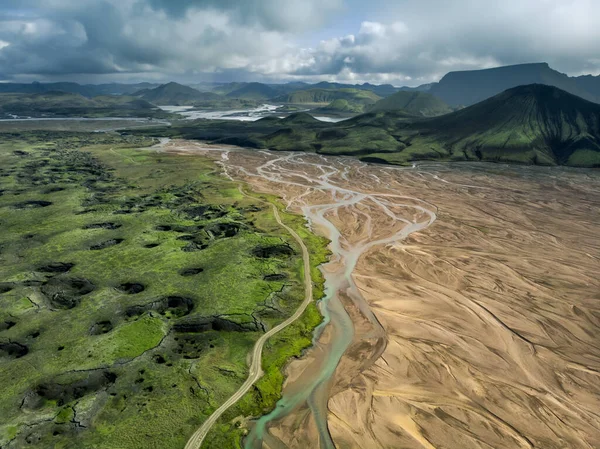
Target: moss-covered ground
133,285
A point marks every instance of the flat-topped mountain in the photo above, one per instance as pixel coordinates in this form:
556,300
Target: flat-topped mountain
468,87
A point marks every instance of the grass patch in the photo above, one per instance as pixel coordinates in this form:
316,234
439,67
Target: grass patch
279,349
112,336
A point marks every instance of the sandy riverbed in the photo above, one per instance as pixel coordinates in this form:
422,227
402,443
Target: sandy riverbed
476,329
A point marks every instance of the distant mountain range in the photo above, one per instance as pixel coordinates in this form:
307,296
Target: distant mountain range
175,94
87,90
324,95
254,91
456,89
65,104
469,87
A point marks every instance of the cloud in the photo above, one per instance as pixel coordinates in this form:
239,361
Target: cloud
422,40
275,15
397,41
127,36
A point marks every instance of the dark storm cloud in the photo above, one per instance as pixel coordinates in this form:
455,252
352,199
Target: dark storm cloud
162,38
403,41
69,39
272,14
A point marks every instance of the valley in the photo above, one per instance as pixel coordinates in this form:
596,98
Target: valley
533,124
308,224
451,313
460,304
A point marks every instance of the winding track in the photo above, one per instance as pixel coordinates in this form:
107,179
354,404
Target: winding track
256,372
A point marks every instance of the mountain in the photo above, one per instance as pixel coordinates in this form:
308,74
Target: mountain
296,85
300,118
469,87
383,90
176,95
413,102
421,88
226,88
340,106
326,96
532,124
117,88
65,104
590,84
88,90
254,91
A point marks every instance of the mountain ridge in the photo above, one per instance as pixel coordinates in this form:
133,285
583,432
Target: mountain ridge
531,124
415,102
457,89
175,94
548,121
464,88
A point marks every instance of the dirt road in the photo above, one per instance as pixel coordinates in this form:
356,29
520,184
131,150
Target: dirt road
256,372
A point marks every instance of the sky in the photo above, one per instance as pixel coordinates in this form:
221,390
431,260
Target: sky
402,42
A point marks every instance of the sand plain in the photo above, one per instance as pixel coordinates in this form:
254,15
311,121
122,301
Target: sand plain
474,298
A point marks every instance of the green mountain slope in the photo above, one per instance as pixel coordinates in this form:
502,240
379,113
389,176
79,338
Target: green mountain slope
226,88
416,103
341,106
382,90
254,91
326,96
88,90
534,123
62,104
176,94
469,87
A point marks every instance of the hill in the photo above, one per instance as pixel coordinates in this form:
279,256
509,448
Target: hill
299,118
63,104
381,90
226,88
176,95
413,102
530,124
254,91
87,90
358,97
465,88
341,106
